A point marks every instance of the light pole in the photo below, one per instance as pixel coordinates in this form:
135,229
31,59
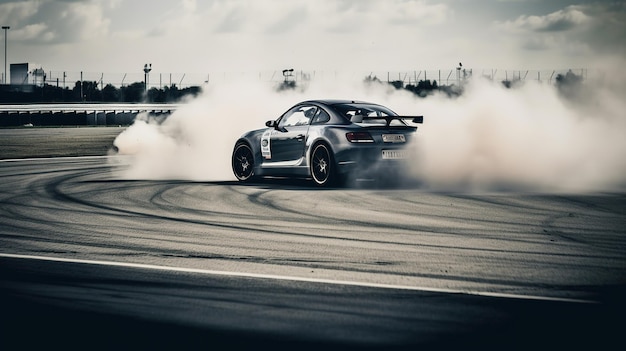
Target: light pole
5,53
146,70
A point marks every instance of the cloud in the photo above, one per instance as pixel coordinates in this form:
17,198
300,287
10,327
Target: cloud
298,33
588,29
558,21
376,15
36,31
86,18
415,12
606,31
322,16
49,21
12,13
290,21
332,35
190,5
231,22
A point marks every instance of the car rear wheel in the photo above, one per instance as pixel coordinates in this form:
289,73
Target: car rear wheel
322,165
243,162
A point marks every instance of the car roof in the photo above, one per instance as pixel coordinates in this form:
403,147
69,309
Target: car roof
337,101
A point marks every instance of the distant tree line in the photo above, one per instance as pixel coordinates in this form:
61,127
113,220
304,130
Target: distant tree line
87,91
423,88
568,85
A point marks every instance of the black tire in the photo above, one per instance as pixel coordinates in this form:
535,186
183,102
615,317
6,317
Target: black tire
243,162
322,166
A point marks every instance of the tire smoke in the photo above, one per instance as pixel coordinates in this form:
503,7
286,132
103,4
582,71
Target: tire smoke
532,137
529,138
196,141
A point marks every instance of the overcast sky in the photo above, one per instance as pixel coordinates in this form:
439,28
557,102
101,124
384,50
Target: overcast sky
198,36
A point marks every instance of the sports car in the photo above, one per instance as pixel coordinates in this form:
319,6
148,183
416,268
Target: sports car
328,141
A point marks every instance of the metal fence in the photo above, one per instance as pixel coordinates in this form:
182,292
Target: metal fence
457,75
68,79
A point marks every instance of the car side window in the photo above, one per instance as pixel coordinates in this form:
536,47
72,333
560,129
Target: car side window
320,117
299,116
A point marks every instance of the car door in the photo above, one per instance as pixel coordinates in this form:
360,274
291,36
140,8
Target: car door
288,140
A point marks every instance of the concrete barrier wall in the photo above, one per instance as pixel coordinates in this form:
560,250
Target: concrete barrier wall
47,118
13,115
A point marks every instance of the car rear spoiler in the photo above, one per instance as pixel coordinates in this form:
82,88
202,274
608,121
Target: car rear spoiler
388,119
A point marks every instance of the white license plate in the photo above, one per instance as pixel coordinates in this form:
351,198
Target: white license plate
395,154
394,138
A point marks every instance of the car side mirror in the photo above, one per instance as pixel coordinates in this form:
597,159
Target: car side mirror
270,124
418,119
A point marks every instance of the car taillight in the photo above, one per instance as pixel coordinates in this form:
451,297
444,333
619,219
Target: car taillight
359,137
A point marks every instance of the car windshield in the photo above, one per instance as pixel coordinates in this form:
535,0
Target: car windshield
366,114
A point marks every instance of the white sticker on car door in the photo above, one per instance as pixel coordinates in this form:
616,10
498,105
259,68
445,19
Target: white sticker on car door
266,150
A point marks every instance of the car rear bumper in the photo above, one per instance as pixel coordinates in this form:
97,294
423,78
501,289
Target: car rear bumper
364,161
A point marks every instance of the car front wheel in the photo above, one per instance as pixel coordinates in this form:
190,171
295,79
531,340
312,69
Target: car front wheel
243,162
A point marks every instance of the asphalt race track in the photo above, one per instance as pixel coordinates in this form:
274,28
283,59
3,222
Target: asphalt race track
91,261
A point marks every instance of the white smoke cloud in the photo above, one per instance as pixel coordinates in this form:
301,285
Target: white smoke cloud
525,138
196,141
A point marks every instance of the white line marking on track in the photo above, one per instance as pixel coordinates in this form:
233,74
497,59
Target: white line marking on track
292,278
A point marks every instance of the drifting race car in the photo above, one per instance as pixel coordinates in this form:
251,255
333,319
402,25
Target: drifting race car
329,141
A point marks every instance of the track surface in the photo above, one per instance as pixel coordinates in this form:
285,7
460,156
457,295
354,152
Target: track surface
54,142
86,255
